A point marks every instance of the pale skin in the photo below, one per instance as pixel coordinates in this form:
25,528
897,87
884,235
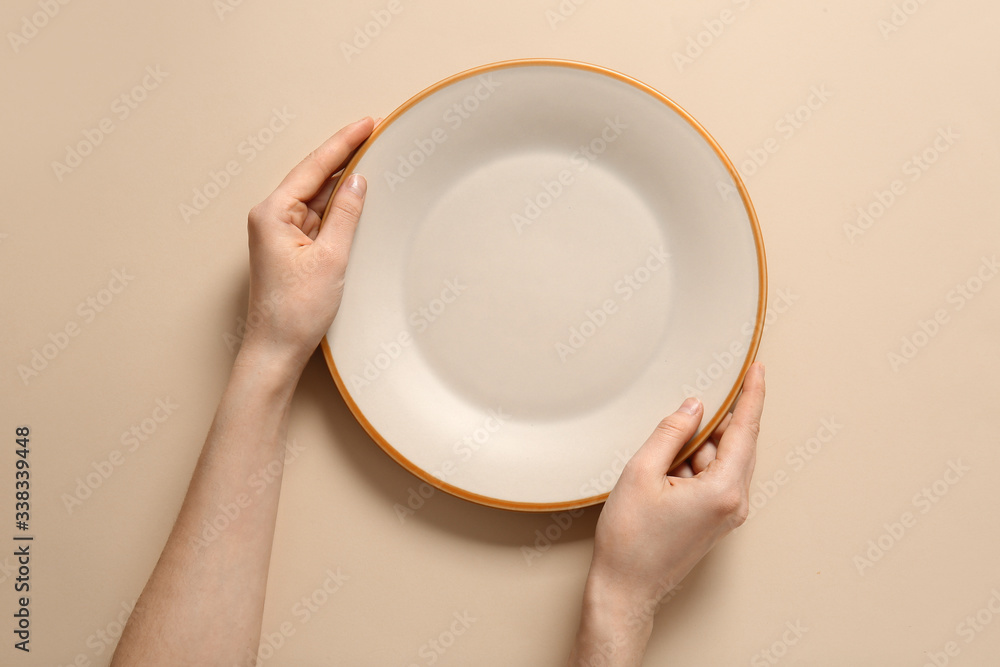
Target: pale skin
204,601
656,526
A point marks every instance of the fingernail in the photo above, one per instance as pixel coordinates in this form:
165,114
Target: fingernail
690,406
358,122
357,184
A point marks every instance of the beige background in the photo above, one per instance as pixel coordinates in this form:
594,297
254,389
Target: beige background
164,335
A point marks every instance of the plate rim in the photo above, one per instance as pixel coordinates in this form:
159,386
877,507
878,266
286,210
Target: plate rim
730,399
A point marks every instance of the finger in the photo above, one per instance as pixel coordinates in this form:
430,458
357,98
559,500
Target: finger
660,449
308,177
738,445
337,231
683,470
721,428
318,203
702,457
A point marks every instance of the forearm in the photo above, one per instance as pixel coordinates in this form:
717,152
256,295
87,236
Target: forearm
614,628
204,601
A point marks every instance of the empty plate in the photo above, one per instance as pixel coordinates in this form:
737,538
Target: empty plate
552,256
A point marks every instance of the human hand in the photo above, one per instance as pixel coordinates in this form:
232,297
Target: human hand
655,527
297,268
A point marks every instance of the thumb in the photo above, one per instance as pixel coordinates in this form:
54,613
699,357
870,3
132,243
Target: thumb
342,217
671,434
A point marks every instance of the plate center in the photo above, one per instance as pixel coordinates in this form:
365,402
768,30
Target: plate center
540,282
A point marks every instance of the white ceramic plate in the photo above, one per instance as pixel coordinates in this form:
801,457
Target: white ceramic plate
551,257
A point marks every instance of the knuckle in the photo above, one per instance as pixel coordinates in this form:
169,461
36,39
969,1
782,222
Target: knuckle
670,428
751,428
273,207
297,213
257,214
739,517
312,158
731,503
348,206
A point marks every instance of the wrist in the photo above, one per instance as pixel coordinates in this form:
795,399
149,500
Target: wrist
628,612
272,367
615,625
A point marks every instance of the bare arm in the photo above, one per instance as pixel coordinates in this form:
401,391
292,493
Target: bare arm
655,527
204,601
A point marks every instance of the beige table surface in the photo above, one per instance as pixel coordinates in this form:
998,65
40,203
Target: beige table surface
875,533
